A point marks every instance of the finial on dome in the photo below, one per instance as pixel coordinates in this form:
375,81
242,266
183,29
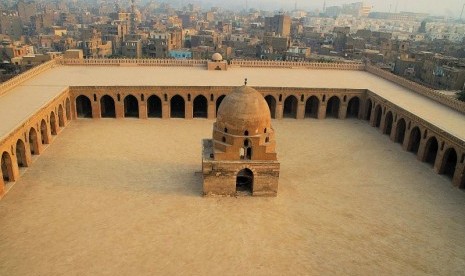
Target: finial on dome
245,81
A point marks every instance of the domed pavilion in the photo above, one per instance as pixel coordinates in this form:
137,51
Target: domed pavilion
241,158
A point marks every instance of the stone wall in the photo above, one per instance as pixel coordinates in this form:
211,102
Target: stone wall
297,64
135,62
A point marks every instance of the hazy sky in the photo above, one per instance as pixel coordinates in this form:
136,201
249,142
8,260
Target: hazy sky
436,7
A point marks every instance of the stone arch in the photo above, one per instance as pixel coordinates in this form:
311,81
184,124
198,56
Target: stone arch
311,107
400,131
368,107
414,140
353,107
388,123
200,109
107,107
53,123
7,168
154,107
290,107
449,162
244,181
61,116
378,115
33,141
177,107
68,109
332,107
218,102
21,157
44,132
431,151
83,107
131,107
271,101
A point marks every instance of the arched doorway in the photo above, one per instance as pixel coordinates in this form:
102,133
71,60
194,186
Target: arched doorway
353,108
61,116
311,107
21,154
200,107
449,163
431,151
378,115
388,123
400,131
7,168
244,181
53,124
178,107
369,106
33,142
154,107
414,141
271,101
107,107
83,107
68,109
332,107
44,132
131,107
290,107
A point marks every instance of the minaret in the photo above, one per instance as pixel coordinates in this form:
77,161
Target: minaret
133,17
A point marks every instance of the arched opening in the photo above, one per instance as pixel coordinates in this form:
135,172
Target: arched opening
131,107
61,116
271,101
68,110
290,107
332,107
414,141
388,123
53,124
83,107
369,106
353,108
44,132
21,154
218,102
449,163
400,131
244,181
107,107
7,168
154,107
378,114
33,142
200,107
431,151
311,107
177,107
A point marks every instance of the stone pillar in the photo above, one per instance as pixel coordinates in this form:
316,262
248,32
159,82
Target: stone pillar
439,159
27,153
189,109
143,110
459,174
165,110
393,132
279,110
211,110
406,139
300,110
119,109
96,114
322,111
382,124
342,111
422,149
15,168
2,187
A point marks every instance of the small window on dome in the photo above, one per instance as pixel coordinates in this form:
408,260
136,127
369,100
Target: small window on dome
225,130
265,130
224,139
246,133
246,143
267,139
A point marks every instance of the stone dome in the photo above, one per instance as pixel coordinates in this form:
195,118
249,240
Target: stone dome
217,57
244,112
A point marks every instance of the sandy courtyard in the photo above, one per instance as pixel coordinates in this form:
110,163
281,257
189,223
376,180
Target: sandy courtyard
123,197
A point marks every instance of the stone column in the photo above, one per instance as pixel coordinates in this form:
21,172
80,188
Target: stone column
422,149
279,110
2,187
439,159
406,139
165,110
27,153
96,114
382,124
211,110
393,132
459,174
300,110
119,109
15,168
342,111
189,109
143,110
322,111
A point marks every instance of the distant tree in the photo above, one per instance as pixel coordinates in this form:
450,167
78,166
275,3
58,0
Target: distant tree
461,96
